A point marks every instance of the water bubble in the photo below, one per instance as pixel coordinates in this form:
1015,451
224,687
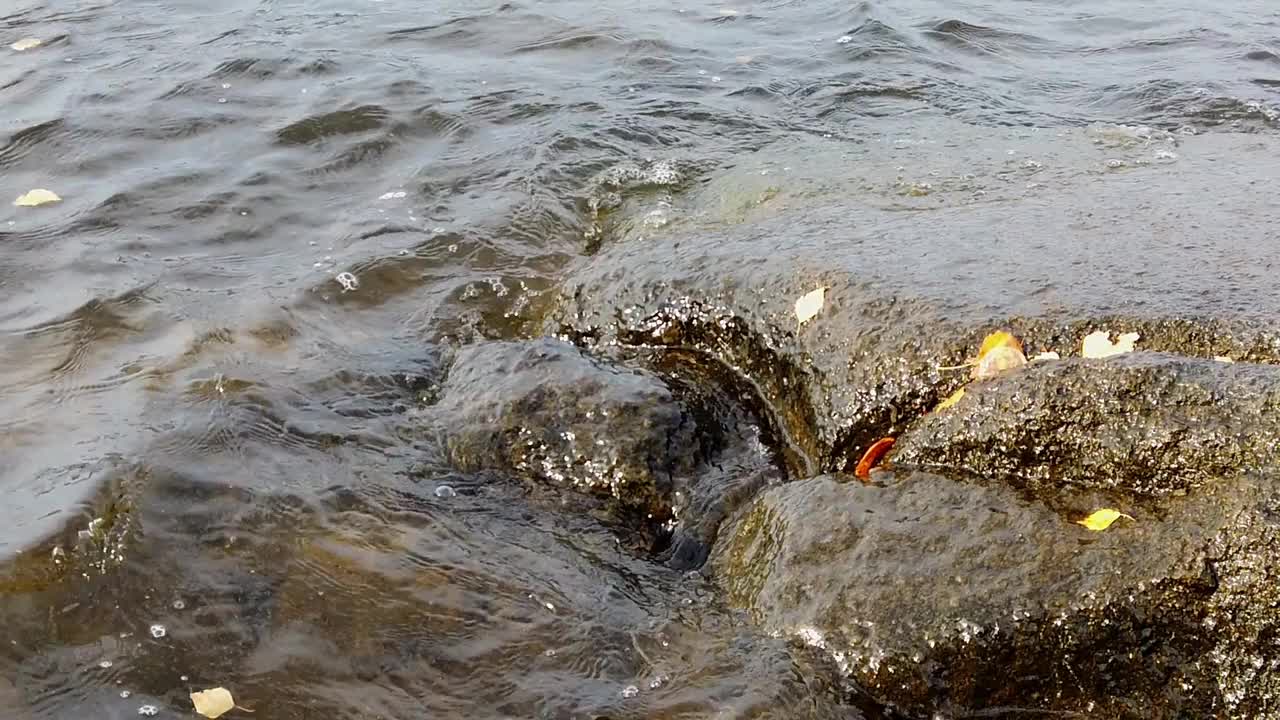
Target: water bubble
549,652
445,491
179,605
222,100
226,86
347,281
158,631
149,710
658,681
104,664
550,607
630,691
125,694
393,195
844,39
715,78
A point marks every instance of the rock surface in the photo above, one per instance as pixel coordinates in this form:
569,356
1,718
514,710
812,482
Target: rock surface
914,281
1146,423
942,596
547,412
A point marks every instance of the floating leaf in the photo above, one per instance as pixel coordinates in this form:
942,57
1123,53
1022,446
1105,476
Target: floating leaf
36,198
952,399
27,44
808,306
871,457
1098,344
1102,519
213,702
1048,355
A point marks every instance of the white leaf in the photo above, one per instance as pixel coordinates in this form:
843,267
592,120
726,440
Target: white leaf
1048,355
212,703
1223,359
36,198
27,44
810,305
1098,344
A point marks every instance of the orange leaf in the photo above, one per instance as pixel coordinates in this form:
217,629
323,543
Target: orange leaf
871,457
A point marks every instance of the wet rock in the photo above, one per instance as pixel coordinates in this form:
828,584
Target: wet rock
547,412
939,596
1147,423
914,283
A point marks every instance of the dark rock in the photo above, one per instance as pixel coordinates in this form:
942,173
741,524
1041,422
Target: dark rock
941,596
1147,423
938,595
548,412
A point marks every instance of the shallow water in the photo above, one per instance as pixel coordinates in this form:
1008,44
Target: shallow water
202,428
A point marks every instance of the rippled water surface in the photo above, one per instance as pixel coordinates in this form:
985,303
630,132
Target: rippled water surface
277,220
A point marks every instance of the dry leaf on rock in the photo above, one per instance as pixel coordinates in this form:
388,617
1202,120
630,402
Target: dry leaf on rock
1102,519
1098,344
1000,351
997,361
810,304
1048,355
1223,359
871,457
213,703
997,339
27,44
36,198
952,399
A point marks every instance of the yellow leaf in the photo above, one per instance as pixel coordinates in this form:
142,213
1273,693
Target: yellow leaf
36,198
809,305
998,360
27,44
1098,344
1102,519
952,399
212,703
997,339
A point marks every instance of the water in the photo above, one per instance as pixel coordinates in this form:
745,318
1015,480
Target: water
276,220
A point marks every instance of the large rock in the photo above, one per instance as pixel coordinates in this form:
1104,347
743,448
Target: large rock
948,597
926,245
973,589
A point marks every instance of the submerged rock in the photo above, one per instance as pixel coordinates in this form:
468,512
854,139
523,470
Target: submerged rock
941,596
